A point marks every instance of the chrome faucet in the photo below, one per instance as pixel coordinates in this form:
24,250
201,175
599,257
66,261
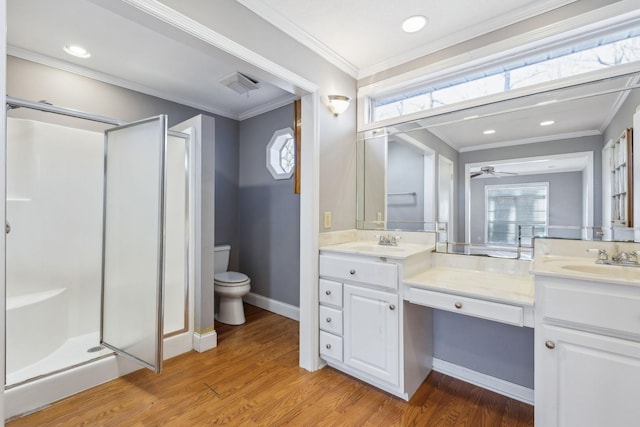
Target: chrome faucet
618,258
388,240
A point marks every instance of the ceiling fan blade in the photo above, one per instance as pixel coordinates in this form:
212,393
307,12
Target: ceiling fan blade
475,174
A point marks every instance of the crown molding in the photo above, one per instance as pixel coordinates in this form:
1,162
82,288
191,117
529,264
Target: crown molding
190,26
110,79
469,33
620,13
556,137
268,107
278,20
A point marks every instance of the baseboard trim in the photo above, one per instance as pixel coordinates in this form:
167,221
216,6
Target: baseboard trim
281,308
505,388
204,342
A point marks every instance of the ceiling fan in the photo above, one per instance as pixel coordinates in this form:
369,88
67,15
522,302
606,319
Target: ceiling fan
491,171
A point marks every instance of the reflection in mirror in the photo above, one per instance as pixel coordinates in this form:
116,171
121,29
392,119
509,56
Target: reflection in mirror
558,164
397,185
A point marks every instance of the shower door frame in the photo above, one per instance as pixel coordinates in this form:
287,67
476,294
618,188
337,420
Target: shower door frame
187,137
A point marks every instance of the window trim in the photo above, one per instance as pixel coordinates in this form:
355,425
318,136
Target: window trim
490,187
274,149
614,18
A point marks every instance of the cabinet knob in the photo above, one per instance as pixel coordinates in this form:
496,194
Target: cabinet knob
352,272
328,319
392,307
328,346
458,305
550,345
328,292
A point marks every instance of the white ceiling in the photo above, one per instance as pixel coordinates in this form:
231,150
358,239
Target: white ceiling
367,34
135,53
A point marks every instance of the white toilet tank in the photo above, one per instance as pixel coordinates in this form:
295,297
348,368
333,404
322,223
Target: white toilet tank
221,258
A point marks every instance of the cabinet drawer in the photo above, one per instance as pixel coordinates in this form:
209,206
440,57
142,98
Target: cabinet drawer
331,292
330,346
601,307
489,310
359,270
331,320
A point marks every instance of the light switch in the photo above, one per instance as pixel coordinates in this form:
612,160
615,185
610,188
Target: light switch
379,216
327,219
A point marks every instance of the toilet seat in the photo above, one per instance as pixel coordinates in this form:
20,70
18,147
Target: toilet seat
230,278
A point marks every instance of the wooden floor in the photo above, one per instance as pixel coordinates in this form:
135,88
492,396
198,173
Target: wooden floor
252,379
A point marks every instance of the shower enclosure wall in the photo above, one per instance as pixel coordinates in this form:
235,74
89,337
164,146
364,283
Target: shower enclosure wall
55,177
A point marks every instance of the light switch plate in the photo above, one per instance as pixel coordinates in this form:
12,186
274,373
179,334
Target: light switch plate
327,219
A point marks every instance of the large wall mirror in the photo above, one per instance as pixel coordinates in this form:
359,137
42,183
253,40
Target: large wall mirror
558,163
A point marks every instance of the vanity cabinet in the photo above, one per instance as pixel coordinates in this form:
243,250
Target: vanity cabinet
587,354
362,292
366,329
371,329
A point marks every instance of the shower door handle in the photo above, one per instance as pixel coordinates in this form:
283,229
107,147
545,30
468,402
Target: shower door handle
7,227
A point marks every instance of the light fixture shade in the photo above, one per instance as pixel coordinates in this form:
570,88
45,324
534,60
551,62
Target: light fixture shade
338,104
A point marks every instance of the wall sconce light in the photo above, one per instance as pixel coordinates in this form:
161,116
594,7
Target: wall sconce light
338,104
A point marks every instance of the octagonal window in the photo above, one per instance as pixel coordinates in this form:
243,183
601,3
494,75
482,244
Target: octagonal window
281,154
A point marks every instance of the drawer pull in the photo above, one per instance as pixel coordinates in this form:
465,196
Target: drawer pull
392,307
328,292
328,319
328,346
352,272
550,345
458,305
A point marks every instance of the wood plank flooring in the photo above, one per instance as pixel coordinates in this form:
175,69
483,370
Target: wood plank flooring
252,379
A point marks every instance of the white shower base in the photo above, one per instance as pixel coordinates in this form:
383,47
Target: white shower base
72,352
40,392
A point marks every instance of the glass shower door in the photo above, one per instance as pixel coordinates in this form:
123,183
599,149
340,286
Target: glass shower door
133,239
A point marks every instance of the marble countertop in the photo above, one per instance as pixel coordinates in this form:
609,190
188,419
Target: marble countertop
583,268
507,288
370,248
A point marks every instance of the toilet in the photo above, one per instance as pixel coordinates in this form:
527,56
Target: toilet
229,287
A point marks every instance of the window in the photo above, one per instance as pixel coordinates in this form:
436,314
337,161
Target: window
281,157
509,207
590,55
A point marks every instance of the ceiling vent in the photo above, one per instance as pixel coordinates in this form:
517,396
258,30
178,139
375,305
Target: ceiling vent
240,83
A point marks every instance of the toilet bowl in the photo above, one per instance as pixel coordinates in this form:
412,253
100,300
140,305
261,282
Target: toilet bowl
229,288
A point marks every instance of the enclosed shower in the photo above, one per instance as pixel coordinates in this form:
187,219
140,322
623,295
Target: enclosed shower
98,240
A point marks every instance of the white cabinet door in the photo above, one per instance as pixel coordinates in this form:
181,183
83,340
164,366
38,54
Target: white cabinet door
587,380
371,342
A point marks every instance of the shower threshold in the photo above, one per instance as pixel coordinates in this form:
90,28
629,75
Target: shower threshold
74,351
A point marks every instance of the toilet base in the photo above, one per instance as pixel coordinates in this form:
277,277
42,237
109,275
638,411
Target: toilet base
231,311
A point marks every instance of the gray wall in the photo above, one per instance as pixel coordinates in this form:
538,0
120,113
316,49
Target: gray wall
227,175
624,118
492,348
405,173
565,199
269,214
571,145
35,82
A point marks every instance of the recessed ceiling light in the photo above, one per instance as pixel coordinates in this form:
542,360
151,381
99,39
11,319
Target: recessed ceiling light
489,131
547,123
77,51
414,23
